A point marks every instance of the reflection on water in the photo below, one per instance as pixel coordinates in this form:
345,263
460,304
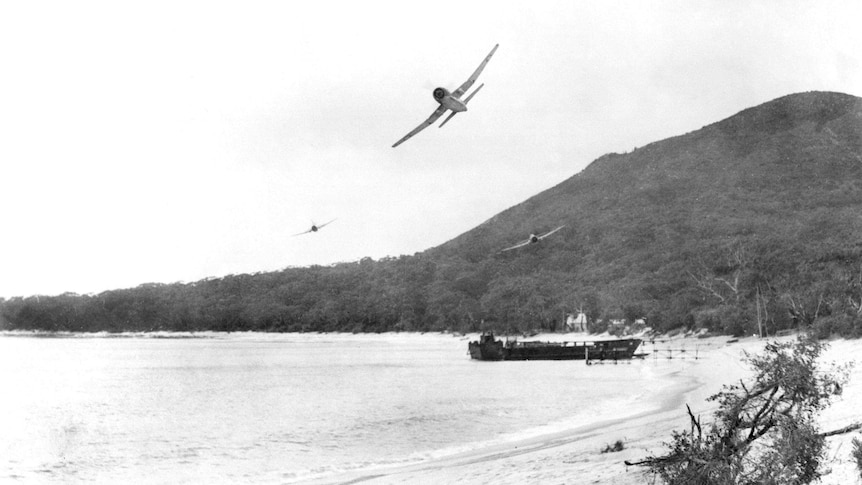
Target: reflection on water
277,408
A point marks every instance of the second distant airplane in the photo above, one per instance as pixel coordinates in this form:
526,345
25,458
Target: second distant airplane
314,228
532,239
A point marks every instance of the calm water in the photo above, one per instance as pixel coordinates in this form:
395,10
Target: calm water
279,408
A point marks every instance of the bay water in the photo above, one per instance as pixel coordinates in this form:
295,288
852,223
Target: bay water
280,408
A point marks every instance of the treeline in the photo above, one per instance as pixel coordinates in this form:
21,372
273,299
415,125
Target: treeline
736,289
749,225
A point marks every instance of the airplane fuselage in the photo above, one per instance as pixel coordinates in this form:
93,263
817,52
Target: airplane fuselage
454,104
445,98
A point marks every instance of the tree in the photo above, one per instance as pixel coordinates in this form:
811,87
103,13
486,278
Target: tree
764,432
521,303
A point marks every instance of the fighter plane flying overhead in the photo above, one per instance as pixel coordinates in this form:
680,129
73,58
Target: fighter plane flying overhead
532,239
451,101
314,228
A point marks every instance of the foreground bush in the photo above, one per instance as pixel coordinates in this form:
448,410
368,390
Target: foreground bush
857,454
764,431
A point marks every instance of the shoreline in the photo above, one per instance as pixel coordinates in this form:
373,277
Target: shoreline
575,456
569,451
445,469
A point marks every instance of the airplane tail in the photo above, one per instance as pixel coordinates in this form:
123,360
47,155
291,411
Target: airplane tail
473,93
447,119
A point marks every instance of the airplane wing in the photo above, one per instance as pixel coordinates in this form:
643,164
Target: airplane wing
436,114
543,236
320,226
301,233
469,82
516,246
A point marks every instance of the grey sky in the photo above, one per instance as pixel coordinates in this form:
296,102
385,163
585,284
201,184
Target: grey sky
171,141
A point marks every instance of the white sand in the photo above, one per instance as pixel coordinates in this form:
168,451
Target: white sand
574,456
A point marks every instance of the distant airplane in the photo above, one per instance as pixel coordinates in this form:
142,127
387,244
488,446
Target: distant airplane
532,239
314,228
450,101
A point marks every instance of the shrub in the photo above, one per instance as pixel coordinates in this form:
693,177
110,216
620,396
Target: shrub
763,431
857,454
618,446
842,325
734,320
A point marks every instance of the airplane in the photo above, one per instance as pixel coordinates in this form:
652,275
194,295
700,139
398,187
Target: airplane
314,228
532,239
451,101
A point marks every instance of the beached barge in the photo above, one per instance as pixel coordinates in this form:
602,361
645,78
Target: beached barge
488,348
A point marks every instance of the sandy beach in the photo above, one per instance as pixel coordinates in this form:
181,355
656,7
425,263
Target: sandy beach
574,456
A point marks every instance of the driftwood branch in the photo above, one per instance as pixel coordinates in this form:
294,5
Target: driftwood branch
846,429
663,459
642,462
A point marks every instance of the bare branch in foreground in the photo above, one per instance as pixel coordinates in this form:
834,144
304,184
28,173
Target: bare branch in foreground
846,429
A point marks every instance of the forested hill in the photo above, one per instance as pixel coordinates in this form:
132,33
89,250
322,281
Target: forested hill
746,175
760,210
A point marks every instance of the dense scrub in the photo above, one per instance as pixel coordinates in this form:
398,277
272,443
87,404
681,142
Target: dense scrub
417,294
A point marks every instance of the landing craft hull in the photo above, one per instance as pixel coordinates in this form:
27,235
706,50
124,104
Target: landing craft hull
487,348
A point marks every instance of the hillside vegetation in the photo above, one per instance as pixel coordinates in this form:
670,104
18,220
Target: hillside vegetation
751,223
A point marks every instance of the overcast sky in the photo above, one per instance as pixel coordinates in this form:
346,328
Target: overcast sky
172,141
